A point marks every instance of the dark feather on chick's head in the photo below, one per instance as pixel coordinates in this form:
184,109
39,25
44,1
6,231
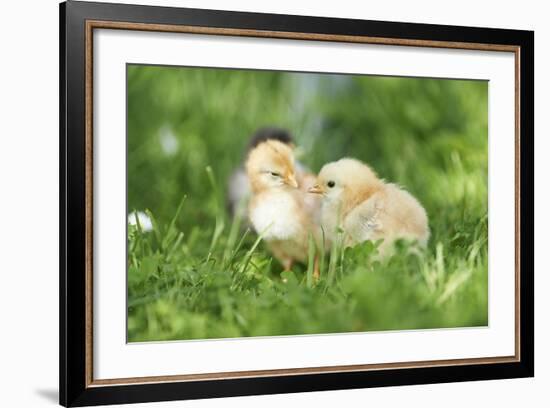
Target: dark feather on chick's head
270,133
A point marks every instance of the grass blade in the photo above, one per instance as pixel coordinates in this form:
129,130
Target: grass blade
235,227
219,223
250,252
310,260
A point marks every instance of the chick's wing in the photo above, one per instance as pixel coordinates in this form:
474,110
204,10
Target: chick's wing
364,221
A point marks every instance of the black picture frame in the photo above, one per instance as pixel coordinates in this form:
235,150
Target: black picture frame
75,388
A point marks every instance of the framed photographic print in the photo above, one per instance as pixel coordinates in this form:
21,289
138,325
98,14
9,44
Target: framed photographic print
256,203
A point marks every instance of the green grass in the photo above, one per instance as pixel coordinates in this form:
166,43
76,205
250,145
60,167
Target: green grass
201,274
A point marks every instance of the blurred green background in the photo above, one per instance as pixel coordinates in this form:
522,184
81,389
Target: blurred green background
428,135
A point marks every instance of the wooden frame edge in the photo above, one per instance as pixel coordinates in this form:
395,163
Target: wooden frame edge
231,375
291,35
89,206
517,199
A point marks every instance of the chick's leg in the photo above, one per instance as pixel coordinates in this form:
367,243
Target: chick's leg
287,264
316,272
281,256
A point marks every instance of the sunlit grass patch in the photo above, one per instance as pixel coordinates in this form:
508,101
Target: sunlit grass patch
231,287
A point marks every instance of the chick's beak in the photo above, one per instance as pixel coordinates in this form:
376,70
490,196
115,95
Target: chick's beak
291,181
316,189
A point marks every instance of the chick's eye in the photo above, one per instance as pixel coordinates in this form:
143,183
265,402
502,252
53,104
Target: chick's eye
275,174
331,184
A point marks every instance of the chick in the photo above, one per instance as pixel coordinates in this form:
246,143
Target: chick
238,187
277,208
356,201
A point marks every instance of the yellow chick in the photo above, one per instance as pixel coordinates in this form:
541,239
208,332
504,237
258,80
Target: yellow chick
277,208
356,201
238,187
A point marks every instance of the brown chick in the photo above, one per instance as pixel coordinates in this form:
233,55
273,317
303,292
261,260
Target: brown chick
277,209
366,208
